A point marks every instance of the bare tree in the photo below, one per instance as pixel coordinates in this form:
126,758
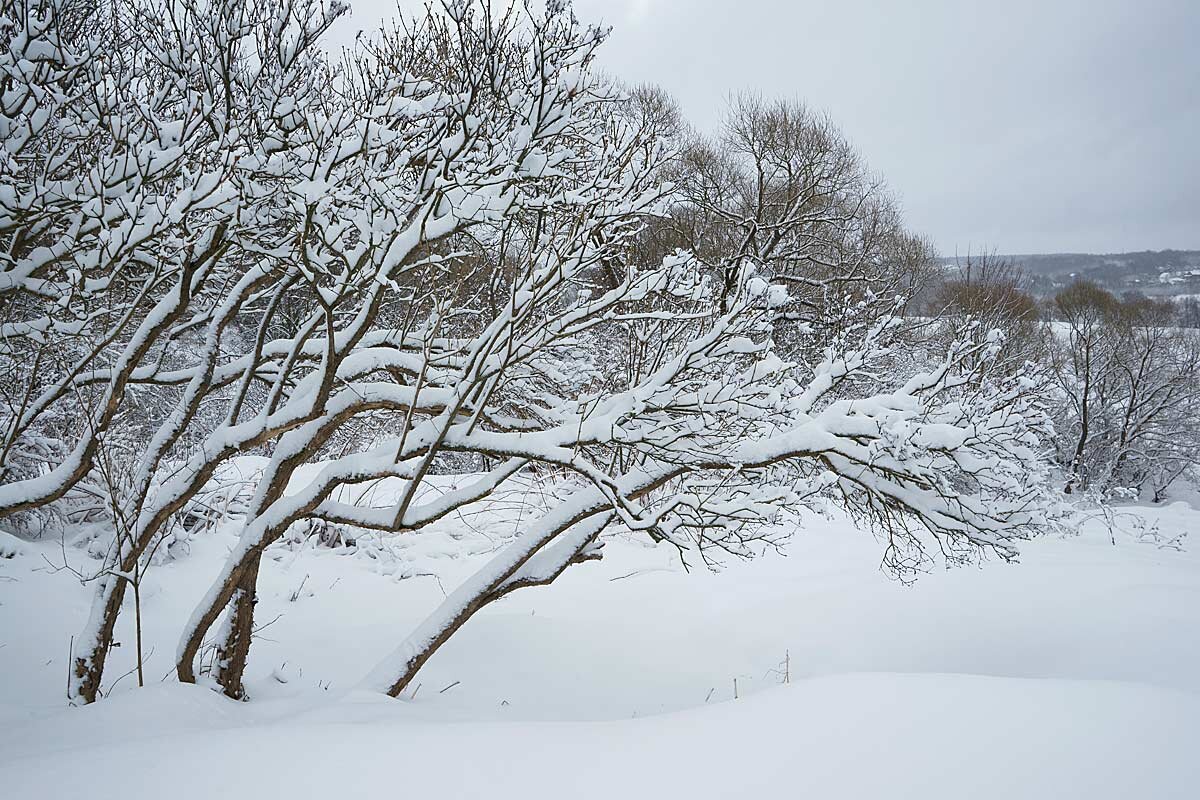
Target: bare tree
782,188
1084,366
991,291
1131,381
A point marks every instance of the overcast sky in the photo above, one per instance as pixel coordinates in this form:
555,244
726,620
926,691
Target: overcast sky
1017,126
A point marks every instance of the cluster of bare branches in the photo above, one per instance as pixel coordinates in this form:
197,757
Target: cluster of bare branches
1129,377
452,248
780,187
993,291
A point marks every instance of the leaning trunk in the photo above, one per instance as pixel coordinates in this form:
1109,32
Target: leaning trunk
536,559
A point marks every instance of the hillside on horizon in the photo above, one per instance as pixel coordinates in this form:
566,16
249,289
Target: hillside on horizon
1156,273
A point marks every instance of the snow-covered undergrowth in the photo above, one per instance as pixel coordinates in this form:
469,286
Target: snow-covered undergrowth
1074,673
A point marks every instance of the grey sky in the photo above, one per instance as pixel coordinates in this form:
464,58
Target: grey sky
1019,126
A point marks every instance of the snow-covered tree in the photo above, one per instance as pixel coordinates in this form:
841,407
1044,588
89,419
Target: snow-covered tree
219,241
148,146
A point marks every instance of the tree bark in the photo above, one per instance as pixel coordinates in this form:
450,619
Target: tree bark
235,650
89,667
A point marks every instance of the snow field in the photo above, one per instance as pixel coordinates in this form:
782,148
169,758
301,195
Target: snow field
1071,674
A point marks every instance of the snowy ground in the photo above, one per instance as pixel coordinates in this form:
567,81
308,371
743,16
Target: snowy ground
1075,673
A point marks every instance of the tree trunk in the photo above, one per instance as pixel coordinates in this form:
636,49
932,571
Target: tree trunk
88,668
1084,423
233,652
501,575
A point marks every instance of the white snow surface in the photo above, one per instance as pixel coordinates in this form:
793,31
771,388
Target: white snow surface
1074,673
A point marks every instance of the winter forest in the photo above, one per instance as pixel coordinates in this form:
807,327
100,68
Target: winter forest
443,413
